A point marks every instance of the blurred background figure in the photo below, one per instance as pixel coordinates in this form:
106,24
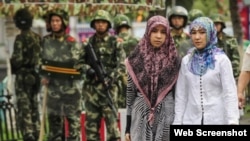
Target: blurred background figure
123,30
24,62
193,14
228,43
178,19
125,39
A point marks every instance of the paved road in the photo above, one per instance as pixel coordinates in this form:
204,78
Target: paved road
245,120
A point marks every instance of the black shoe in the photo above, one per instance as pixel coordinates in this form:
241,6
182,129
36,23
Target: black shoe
115,139
36,135
73,139
29,137
57,137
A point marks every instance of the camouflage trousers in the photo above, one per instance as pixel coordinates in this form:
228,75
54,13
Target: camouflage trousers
96,107
63,103
28,118
121,100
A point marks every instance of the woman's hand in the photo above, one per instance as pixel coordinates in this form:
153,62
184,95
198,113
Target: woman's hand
241,99
127,137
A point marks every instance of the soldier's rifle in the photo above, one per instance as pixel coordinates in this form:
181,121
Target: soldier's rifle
101,74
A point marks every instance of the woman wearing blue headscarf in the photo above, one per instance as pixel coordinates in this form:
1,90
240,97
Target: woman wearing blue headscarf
205,91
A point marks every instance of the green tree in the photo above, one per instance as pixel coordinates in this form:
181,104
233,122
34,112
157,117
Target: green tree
185,3
207,6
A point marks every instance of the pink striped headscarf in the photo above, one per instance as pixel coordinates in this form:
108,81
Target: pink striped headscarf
154,71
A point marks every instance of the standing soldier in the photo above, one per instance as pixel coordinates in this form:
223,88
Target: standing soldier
98,102
228,43
193,14
24,62
178,19
45,17
123,26
59,51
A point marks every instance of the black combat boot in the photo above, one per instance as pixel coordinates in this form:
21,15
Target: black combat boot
115,139
73,139
29,137
57,137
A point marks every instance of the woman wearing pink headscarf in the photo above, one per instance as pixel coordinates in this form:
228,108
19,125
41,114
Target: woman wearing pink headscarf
152,73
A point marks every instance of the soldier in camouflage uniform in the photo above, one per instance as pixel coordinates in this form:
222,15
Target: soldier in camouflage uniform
178,18
24,61
185,45
45,17
228,43
95,96
122,27
58,54
193,14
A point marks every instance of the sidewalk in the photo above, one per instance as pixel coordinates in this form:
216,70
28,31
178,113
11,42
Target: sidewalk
244,120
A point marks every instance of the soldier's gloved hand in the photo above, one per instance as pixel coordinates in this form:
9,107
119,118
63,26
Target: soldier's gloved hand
108,82
91,73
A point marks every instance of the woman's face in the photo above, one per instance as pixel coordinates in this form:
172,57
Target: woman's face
158,36
199,38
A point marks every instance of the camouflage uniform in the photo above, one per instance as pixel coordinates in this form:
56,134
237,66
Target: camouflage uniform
229,44
128,43
24,61
95,97
193,14
63,102
178,33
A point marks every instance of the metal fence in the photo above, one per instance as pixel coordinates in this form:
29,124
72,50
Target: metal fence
9,130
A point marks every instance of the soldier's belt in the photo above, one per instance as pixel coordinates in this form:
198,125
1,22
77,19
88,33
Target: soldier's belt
60,70
60,73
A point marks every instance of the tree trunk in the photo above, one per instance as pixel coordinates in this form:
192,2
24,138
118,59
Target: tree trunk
235,17
237,28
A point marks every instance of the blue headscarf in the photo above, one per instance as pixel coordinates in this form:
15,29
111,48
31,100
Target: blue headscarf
201,60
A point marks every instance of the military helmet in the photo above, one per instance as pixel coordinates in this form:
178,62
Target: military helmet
62,14
23,19
194,13
218,18
178,11
101,15
121,20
